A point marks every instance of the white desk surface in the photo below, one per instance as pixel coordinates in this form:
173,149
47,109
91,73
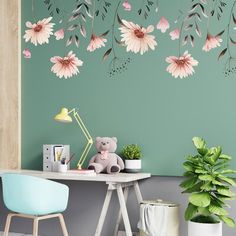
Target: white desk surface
116,178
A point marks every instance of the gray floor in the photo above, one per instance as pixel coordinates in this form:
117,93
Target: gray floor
15,234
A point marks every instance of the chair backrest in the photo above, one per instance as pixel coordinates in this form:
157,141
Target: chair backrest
32,195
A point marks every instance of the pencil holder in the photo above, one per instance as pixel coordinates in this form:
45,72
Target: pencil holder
62,168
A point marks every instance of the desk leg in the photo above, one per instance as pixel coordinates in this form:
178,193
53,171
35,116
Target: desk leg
124,210
104,211
126,192
138,192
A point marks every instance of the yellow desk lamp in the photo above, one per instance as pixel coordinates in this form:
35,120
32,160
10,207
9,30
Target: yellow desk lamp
64,117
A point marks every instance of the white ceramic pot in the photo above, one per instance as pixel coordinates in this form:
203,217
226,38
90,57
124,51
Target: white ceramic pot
133,166
204,229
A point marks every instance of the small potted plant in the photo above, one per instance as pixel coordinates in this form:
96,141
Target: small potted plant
132,154
208,183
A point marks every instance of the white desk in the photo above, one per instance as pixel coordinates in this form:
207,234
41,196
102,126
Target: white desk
116,182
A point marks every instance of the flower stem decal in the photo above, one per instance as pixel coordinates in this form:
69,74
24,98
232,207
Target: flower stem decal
230,65
146,6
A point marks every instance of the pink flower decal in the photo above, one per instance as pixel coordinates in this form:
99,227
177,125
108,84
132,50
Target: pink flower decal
163,24
181,66
66,66
59,34
126,5
39,33
96,42
175,34
137,38
211,42
27,53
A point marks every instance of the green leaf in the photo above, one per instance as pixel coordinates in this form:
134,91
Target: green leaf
225,191
202,151
222,164
188,166
225,157
229,171
200,199
207,186
188,183
190,211
215,153
188,174
204,211
194,189
227,179
200,171
206,177
199,143
224,198
217,210
209,160
230,222
217,182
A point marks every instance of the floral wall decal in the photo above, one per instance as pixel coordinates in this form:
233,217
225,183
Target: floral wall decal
137,38
66,66
79,22
27,53
181,66
163,24
39,32
127,77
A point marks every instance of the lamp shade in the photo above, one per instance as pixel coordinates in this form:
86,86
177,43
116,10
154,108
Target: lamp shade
63,116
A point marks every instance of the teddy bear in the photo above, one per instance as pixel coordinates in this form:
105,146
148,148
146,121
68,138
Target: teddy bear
106,160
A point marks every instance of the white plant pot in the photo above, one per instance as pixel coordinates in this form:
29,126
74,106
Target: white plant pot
204,229
133,166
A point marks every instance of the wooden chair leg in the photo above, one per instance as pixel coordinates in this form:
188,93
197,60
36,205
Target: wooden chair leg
63,225
35,227
7,225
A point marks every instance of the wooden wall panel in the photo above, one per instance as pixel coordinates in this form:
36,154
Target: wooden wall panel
9,84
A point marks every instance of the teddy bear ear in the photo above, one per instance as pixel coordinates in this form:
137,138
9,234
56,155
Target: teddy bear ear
114,139
98,139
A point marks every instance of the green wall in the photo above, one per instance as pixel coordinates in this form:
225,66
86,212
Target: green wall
143,104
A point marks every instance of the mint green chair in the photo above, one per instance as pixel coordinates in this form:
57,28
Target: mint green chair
34,198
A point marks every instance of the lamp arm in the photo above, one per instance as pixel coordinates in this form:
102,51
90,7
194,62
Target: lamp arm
87,135
84,155
81,124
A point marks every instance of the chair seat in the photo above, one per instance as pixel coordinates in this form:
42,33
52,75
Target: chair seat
33,196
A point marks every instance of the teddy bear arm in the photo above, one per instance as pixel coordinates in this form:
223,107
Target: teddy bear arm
92,159
120,162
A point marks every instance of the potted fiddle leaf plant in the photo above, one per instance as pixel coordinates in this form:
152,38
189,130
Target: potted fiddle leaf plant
132,155
208,181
